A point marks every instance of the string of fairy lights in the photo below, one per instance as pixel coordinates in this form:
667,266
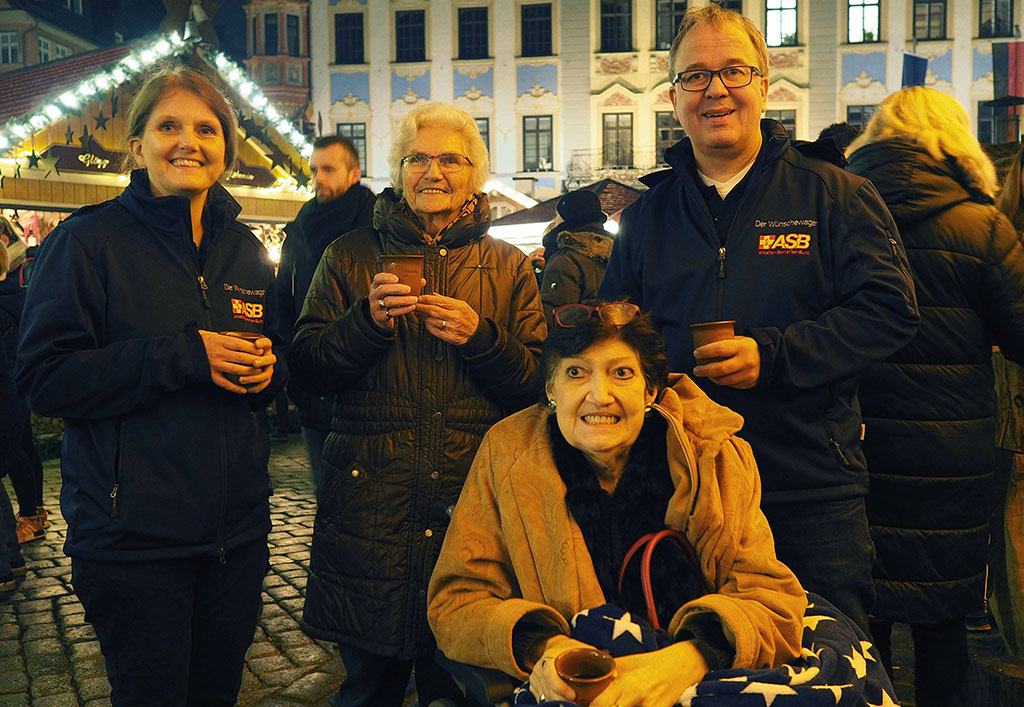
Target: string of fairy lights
18,129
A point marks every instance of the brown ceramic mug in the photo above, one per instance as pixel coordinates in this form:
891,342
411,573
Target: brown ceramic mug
250,336
708,332
587,671
408,269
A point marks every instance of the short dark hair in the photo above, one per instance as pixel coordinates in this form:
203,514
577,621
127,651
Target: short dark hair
346,144
841,133
639,334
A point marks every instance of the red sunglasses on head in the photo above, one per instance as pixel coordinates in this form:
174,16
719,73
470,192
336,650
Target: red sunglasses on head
617,313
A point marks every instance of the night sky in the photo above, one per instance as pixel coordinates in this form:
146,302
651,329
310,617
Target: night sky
145,17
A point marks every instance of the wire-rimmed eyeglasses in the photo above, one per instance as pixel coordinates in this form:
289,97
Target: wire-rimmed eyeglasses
617,313
732,77
418,163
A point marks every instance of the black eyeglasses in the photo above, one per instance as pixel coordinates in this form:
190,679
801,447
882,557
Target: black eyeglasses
449,162
617,313
732,77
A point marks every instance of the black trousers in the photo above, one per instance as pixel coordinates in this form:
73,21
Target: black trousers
174,632
829,549
378,681
941,660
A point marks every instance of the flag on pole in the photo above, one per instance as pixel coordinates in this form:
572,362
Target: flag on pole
914,70
1008,71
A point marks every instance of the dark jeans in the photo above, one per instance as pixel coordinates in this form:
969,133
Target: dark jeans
940,660
829,549
378,681
27,475
314,440
174,632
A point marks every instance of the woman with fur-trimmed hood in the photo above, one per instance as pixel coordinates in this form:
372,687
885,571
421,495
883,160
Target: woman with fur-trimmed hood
929,409
576,252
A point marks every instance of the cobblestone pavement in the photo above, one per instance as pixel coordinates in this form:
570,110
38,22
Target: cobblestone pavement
49,656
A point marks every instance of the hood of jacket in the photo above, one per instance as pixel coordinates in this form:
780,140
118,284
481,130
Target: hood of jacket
913,184
392,215
163,214
596,246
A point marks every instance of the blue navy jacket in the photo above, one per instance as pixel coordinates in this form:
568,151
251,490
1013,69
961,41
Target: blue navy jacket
157,461
812,268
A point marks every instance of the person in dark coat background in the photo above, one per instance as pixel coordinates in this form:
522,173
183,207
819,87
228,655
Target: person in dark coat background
929,409
341,205
417,382
576,252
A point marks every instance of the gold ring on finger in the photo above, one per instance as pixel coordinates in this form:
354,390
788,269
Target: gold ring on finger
381,303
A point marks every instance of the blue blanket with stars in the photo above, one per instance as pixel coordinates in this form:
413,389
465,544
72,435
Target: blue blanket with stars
838,666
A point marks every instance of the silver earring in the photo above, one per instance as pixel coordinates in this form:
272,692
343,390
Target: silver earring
551,403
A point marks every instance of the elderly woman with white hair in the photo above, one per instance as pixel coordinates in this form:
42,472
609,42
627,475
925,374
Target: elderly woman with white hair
418,378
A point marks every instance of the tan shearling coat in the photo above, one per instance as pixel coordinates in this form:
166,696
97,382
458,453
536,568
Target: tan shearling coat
513,550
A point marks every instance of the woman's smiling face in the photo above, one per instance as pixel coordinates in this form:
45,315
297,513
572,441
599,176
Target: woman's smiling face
182,146
435,195
600,397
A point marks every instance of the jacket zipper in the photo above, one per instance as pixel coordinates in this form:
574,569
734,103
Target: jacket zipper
114,512
203,288
837,447
202,291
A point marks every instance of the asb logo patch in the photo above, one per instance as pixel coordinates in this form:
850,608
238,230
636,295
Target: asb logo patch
786,242
247,311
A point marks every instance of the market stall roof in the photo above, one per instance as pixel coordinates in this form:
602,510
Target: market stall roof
61,123
26,88
614,196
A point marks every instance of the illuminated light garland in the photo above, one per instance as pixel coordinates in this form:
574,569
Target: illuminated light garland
137,62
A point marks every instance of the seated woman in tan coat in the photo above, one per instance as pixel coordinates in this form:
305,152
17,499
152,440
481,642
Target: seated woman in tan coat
558,493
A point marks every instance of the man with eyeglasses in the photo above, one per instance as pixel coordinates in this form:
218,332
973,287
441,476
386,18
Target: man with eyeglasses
805,257
341,205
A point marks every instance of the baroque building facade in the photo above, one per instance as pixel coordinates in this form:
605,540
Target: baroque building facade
568,92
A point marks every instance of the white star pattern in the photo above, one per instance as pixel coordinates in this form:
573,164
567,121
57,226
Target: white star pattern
812,622
626,625
886,701
837,690
801,676
585,612
768,691
860,666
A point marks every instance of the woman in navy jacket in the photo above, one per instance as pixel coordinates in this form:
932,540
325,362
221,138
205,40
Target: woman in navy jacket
165,485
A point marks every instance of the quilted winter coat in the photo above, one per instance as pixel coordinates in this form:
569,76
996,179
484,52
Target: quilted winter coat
409,414
929,409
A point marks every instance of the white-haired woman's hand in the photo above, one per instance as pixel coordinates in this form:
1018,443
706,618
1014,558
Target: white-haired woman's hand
447,318
389,299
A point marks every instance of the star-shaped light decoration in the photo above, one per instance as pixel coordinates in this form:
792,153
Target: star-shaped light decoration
101,121
624,624
769,691
69,135
33,160
86,140
49,164
302,178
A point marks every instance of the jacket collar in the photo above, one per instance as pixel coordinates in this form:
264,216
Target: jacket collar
774,143
391,215
164,214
